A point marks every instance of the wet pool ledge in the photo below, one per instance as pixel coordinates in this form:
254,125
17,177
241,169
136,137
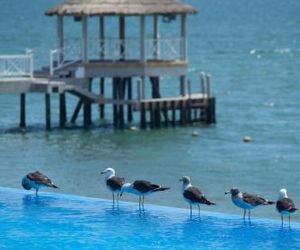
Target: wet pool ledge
59,221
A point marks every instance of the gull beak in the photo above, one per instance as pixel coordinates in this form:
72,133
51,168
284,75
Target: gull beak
103,172
121,194
227,192
180,180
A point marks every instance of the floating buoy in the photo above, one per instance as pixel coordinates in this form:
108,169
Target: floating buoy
133,128
247,139
195,133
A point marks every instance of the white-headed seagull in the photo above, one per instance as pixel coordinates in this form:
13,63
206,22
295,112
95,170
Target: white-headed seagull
36,180
247,201
142,188
113,182
285,205
193,195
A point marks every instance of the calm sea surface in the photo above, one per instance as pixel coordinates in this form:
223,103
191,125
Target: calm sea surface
251,48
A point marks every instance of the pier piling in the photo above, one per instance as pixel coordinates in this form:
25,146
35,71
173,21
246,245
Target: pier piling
22,110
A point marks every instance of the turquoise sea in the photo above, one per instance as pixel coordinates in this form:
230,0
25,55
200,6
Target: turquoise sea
252,50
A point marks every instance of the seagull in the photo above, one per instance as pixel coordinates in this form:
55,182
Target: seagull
247,201
142,188
193,195
36,180
285,205
113,183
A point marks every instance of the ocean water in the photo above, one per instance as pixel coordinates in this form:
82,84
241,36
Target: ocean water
54,221
252,50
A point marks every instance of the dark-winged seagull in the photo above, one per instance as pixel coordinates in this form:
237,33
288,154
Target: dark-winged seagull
193,195
113,183
36,180
285,205
247,201
142,188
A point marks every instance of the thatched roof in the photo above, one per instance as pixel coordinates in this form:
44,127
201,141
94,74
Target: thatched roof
120,7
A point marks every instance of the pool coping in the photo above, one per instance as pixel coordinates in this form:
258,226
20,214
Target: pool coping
161,208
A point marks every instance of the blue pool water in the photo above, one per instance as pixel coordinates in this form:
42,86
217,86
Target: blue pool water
56,221
252,50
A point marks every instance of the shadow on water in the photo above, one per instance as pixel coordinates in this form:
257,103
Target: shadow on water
30,200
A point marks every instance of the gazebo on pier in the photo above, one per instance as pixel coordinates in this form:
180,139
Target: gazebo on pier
124,60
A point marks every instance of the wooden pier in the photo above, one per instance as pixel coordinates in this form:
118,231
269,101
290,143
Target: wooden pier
122,67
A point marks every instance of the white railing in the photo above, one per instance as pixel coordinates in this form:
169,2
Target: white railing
66,56
164,49
116,49
17,65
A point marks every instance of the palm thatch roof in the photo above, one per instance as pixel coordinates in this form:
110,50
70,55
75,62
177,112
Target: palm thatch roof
120,7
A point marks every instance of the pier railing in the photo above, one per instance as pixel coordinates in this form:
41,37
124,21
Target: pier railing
115,49
16,65
63,57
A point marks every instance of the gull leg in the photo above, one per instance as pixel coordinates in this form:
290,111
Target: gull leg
289,220
139,202
199,209
191,210
36,192
244,214
143,202
113,195
282,220
249,215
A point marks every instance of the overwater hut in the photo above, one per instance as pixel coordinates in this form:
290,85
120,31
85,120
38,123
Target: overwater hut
122,65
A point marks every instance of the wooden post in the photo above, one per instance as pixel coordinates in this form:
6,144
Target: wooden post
210,111
120,100
115,108
152,116
182,85
182,112
203,83
87,121
87,108
143,115
62,110
173,113
76,111
189,103
140,85
157,115
23,110
165,111
102,93
129,93
208,82
84,39
48,111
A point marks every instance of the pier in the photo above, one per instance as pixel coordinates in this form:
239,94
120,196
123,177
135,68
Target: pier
124,68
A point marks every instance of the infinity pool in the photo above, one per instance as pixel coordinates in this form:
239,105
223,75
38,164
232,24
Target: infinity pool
56,221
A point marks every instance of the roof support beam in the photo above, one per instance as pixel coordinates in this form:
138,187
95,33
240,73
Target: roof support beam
84,39
122,36
60,35
156,36
102,36
183,34
143,38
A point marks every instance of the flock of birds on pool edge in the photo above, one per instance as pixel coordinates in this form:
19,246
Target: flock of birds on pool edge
191,194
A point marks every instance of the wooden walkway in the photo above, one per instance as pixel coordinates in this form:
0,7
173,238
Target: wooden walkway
153,112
